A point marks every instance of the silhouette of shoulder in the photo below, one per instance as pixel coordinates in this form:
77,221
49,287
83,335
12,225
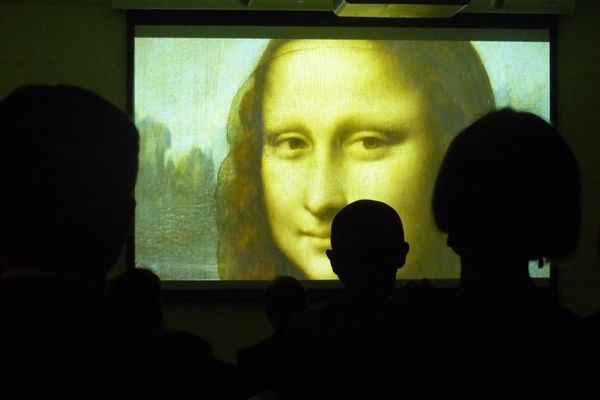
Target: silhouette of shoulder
67,340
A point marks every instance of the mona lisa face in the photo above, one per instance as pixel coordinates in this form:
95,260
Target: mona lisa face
341,123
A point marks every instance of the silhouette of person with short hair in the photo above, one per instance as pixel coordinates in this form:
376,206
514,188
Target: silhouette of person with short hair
284,297
507,193
367,248
323,347
68,168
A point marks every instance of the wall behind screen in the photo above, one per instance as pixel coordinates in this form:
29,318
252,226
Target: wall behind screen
84,43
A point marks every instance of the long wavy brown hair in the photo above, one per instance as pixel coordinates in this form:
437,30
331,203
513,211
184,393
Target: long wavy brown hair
449,74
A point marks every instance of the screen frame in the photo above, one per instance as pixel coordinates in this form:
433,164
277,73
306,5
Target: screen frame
236,290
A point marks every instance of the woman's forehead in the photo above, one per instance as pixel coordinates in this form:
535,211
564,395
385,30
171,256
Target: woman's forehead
325,53
313,44
295,47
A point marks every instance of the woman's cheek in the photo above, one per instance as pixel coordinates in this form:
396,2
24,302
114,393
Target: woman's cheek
281,181
397,180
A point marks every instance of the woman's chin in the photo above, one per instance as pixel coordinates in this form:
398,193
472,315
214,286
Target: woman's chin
319,269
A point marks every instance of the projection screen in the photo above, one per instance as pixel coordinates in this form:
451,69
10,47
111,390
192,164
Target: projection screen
253,137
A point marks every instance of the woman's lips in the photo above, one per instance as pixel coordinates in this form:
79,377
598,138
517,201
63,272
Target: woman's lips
316,233
319,239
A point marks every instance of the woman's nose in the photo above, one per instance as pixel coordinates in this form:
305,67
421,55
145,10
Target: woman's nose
324,195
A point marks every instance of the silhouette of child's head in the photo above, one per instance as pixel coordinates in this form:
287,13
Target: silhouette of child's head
284,297
509,185
68,168
367,244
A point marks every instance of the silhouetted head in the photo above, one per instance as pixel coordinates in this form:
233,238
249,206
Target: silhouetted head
68,168
509,185
367,245
284,297
135,295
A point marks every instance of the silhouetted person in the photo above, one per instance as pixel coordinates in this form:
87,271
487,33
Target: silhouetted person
68,169
323,347
507,193
592,343
284,298
191,367
135,296
198,374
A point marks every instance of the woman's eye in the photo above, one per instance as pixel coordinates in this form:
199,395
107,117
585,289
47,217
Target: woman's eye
294,143
287,145
369,145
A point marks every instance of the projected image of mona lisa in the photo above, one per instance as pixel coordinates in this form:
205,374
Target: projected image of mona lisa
308,127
